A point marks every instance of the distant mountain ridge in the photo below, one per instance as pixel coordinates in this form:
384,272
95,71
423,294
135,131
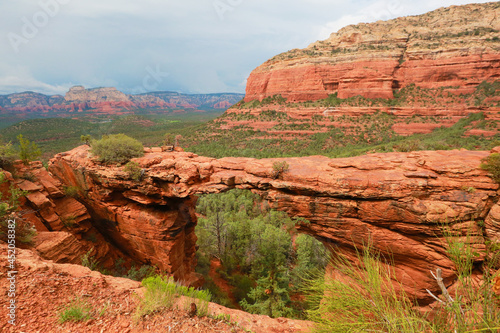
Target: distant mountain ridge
111,100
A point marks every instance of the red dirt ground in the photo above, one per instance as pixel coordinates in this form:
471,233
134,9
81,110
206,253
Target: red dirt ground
222,284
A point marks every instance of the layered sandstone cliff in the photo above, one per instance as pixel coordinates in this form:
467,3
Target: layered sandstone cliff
64,225
399,201
456,47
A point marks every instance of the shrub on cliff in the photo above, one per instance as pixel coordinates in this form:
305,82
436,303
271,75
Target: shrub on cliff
168,139
133,170
279,168
492,165
86,139
117,148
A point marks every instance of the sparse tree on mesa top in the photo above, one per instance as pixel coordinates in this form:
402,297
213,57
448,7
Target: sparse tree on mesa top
86,139
279,168
168,139
28,150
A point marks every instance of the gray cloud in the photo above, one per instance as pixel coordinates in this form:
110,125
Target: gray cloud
203,45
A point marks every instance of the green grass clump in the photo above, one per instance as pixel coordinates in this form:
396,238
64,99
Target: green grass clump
117,148
140,273
161,292
365,299
77,310
71,191
474,307
69,221
90,261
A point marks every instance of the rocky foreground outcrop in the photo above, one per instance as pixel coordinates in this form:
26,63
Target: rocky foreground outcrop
398,201
456,47
44,289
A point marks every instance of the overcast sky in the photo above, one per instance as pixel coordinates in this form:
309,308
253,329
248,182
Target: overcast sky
191,46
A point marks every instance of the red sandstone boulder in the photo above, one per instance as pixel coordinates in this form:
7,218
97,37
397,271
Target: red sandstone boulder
60,247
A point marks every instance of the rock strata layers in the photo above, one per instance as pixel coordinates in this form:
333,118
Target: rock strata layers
456,47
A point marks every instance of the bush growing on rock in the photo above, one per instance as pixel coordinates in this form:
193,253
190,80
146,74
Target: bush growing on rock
279,168
492,165
168,139
117,148
71,191
133,170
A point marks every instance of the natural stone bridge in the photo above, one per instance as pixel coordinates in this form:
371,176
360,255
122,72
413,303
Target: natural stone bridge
399,201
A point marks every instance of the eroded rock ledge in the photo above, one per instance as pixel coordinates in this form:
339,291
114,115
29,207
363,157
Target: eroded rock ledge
398,200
